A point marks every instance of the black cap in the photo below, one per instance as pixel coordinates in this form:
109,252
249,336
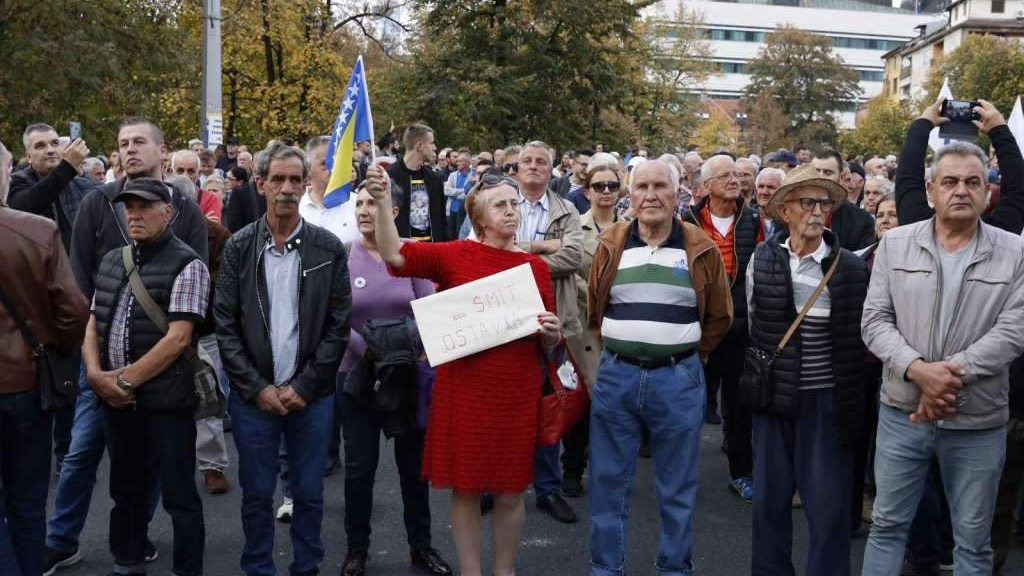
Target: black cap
232,141
149,189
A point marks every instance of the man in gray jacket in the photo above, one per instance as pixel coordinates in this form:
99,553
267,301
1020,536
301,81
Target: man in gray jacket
945,313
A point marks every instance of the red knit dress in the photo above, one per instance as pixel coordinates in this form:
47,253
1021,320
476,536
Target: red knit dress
482,428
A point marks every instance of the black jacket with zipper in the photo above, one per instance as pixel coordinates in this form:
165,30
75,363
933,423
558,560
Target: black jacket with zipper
98,230
243,316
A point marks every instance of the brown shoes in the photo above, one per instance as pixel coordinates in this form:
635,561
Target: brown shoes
216,483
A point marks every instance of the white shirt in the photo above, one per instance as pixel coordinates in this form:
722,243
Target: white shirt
723,224
534,222
340,220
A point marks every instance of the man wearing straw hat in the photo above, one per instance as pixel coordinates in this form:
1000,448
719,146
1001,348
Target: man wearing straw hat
802,284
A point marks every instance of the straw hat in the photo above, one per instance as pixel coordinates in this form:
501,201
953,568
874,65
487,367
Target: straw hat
800,177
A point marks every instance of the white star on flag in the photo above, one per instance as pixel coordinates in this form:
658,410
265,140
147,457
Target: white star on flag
354,89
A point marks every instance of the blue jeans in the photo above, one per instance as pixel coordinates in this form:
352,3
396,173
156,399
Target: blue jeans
258,437
970,461
25,436
670,402
78,473
801,452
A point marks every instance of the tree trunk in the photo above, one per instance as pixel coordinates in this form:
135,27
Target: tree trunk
268,46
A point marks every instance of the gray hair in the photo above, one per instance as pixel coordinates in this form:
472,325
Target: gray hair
5,165
314,143
184,153
889,187
672,172
541,145
705,168
959,148
89,164
777,172
605,159
692,155
278,151
33,128
747,161
183,186
215,179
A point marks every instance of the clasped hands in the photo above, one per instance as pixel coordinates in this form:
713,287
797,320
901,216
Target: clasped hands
280,400
940,382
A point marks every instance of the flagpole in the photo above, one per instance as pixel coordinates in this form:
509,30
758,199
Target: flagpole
369,113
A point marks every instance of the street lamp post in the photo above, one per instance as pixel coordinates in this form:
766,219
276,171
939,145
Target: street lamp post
211,118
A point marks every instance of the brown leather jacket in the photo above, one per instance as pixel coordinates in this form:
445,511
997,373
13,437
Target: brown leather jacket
36,274
707,272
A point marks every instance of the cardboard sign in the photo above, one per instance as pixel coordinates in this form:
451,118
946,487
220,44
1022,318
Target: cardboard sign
479,315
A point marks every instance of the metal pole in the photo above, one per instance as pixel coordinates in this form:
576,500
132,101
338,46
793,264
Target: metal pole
211,118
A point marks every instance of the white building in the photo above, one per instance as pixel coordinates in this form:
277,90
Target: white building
861,33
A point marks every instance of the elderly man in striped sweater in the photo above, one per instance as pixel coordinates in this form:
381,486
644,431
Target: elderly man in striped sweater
659,299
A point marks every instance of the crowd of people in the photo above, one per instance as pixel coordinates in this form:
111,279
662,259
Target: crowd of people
855,325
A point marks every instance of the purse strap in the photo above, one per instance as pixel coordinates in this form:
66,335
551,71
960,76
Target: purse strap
807,305
149,305
19,321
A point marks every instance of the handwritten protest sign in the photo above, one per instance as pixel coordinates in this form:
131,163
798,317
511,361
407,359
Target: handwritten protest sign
479,315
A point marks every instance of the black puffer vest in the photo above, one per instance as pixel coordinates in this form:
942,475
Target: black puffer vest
744,242
159,264
774,311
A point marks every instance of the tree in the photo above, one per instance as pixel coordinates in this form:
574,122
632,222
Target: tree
717,132
986,67
880,129
766,124
486,73
806,78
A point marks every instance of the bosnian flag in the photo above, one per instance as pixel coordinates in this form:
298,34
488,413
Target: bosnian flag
354,124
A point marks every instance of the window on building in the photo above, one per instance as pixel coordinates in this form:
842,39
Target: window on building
998,6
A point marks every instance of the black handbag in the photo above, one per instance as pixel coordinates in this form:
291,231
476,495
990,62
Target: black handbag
56,373
757,384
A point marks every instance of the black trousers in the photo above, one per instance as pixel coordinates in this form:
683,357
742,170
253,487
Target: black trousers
725,366
165,441
864,446
361,429
574,448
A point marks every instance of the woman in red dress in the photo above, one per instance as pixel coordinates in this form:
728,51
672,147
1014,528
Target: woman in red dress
482,428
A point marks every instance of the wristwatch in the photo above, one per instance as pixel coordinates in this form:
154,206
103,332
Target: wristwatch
124,384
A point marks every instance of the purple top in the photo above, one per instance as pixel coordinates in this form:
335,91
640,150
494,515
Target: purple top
376,295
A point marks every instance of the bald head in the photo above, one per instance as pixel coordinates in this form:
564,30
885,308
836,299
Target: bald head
185,163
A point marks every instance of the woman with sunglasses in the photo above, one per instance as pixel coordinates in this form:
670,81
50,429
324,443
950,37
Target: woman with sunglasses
482,427
604,187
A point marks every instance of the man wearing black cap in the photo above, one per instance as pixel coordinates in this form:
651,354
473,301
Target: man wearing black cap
144,381
102,226
228,161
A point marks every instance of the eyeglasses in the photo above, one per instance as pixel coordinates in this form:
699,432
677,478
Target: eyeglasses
510,168
605,187
726,175
807,204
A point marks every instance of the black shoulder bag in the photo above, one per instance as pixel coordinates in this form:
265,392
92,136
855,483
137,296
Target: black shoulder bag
56,374
211,399
757,383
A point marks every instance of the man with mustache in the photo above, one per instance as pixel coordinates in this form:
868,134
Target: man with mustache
282,353
100,227
136,364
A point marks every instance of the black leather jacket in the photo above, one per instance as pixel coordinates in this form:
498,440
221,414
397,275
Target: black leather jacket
243,317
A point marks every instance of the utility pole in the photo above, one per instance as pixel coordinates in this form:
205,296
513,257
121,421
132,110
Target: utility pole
211,117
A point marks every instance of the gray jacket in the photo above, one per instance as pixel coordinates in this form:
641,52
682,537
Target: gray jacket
564,225
985,335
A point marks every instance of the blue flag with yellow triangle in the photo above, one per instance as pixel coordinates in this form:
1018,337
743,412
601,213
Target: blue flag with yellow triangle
353,124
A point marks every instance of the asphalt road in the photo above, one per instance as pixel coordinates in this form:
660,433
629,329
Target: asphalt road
722,529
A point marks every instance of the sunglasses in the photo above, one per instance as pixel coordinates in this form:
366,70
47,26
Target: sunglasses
509,168
605,187
493,181
807,204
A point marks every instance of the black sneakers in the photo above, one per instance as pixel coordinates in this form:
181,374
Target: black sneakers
56,559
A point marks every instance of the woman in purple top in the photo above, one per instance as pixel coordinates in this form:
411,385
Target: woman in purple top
378,296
